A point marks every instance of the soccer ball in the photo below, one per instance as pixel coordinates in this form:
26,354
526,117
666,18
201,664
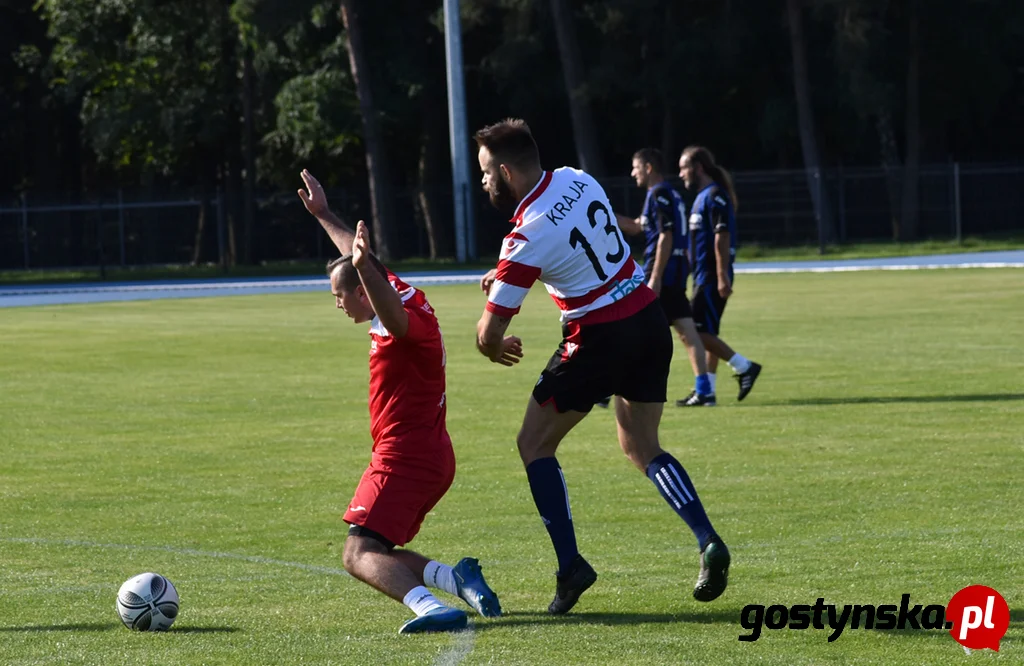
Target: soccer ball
147,602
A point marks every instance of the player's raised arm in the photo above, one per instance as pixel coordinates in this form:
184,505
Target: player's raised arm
316,203
386,302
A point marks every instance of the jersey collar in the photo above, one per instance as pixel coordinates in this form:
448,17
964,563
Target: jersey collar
528,200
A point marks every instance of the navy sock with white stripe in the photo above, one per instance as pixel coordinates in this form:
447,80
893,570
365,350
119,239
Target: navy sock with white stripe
675,486
552,499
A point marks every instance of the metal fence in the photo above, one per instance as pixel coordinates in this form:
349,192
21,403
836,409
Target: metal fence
775,209
955,200
120,230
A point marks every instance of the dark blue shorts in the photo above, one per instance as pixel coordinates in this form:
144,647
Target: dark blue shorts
708,306
674,303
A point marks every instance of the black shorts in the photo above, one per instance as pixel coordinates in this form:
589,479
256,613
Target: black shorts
708,306
674,303
629,358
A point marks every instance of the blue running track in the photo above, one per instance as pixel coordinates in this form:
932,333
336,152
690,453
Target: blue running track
100,292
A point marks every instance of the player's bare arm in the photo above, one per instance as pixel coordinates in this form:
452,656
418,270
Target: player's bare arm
722,260
385,300
629,225
661,256
316,203
492,342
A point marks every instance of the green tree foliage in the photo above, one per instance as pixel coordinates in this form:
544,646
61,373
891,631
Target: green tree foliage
155,92
148,75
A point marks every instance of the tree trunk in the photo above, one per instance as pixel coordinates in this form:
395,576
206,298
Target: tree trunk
432,162
788,216
583,130
231,154
911,202
427,204
204,204
376,162
668,36
808,130
890,167
250,153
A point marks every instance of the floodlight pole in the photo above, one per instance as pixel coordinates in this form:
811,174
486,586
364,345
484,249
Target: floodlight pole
458,133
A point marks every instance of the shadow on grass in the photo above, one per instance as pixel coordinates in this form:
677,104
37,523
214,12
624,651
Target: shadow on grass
111,625
540,618
64,627
1016,623
881,400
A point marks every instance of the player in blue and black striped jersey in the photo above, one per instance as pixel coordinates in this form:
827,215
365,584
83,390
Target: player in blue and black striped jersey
663,224
713,249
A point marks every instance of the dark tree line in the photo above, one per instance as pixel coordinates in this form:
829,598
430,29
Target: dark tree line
204,95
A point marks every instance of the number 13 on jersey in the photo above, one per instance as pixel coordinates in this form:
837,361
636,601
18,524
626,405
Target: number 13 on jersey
602,243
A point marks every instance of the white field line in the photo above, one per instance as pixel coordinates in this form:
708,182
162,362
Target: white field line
256,559
464,640
261,285
462,648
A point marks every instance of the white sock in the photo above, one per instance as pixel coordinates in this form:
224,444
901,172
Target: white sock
421,601
711,378
739,364
440,576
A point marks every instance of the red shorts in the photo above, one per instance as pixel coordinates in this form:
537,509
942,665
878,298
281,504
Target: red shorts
396,493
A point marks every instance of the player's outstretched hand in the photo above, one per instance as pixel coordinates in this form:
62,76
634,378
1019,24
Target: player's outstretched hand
315,200
360,246
511,351
487,280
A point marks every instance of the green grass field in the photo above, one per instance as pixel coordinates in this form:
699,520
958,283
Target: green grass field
217,441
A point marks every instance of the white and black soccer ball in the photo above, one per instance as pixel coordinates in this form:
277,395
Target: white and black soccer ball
147,602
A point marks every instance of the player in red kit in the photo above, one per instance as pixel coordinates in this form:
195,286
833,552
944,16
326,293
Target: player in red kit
412,464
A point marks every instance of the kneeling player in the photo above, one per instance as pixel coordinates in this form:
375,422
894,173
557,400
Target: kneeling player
413,463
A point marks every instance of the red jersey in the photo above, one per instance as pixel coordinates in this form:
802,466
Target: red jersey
407,380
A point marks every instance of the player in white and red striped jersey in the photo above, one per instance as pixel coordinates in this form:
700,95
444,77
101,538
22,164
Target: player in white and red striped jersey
412,463
616,340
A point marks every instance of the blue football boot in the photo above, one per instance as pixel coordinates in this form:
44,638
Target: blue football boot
439,619
474,589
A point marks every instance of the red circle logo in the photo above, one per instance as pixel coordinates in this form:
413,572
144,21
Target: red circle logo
980,617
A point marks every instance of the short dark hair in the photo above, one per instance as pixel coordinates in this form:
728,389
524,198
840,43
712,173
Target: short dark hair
348,276
653,157
510,142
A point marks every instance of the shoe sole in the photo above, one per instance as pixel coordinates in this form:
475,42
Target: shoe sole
571,601
706,404
718,577
454,624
